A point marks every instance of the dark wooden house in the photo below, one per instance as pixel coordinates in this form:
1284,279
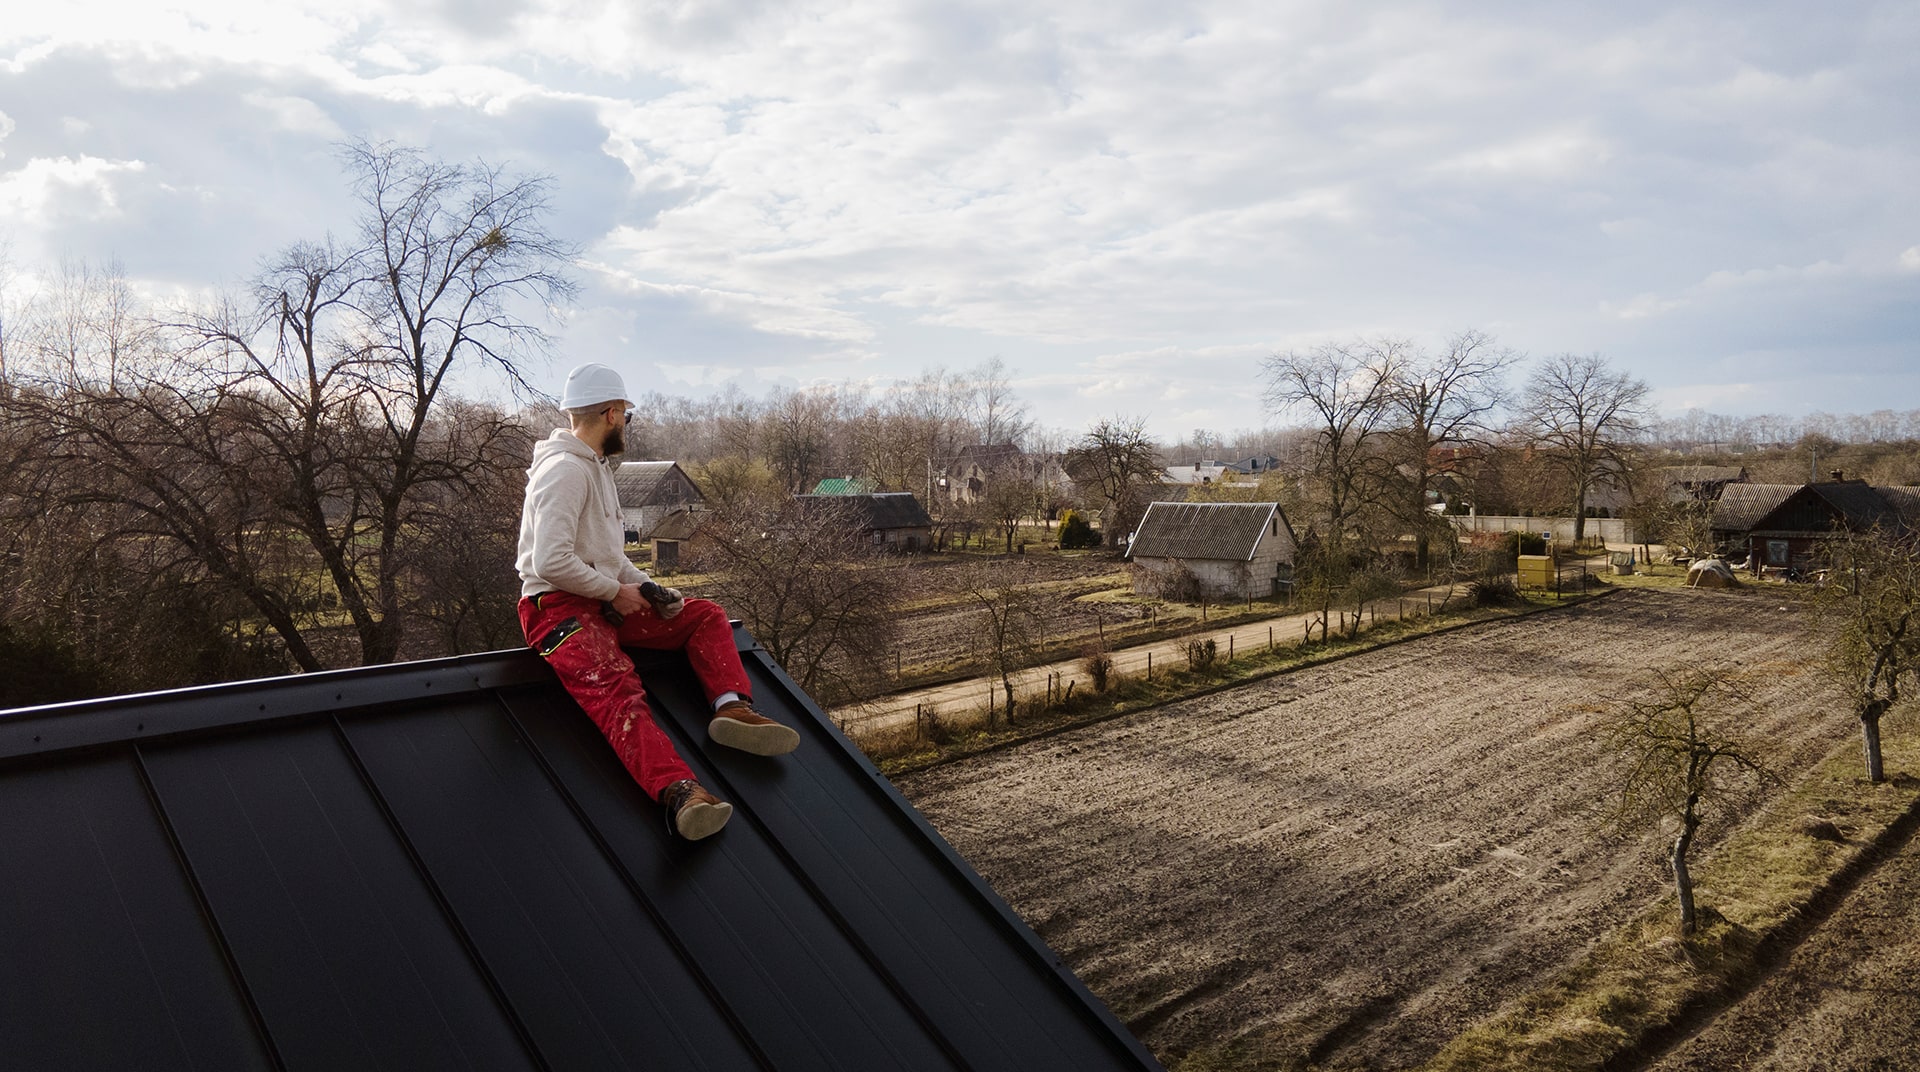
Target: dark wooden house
1780,526
892,519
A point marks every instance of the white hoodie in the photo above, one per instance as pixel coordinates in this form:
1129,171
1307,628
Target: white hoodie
571,535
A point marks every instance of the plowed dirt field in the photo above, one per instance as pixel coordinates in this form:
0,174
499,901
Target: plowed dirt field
1351,863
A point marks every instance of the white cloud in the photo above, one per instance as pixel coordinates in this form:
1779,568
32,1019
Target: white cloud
1079,178
64,186
297,114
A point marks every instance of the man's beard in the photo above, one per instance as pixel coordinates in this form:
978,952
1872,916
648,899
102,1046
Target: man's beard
616,441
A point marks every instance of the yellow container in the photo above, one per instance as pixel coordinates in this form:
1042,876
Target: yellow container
1536,571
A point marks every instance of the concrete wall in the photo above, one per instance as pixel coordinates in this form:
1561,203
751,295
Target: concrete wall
1612,529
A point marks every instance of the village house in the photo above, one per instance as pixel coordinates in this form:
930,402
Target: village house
1233,550
891,519
844,485
1780,526
966,479
649,491
1202,473
1699,483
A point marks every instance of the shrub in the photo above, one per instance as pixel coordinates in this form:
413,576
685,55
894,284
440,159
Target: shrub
1524,543
1200,654
1098,665
1076,533
1493,591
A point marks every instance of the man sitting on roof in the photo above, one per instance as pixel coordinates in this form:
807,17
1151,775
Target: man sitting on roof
582,600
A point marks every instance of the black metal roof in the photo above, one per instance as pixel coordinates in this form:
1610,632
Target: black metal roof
876,512
441,865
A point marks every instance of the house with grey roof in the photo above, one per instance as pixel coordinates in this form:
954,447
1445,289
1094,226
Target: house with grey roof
1781,525
650,491
1700,483
891,519
1233,550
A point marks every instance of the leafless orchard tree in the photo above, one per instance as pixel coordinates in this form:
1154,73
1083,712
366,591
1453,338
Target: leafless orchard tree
1011,493
1012,630
1682,757
1870,605
809,587
1584,415
1346,393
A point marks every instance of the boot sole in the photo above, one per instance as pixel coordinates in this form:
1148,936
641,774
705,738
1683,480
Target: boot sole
771,739
697,820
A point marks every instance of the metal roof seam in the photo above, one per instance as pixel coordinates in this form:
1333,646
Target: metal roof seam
205,906
458,928
634,888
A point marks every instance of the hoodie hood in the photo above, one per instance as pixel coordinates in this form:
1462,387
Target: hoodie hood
560,442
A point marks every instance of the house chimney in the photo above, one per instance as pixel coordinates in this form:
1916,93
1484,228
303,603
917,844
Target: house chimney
1837,475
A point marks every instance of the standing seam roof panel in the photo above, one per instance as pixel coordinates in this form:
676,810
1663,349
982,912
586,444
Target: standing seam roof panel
443,865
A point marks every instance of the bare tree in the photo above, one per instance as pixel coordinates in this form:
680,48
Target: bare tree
1871,606
819,597
1346,392
1010,495
1117,460
797,431
1583,415
1437,399
288,443
999,415
1012,630
1681,756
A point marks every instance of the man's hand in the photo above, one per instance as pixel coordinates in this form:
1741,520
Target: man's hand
629,600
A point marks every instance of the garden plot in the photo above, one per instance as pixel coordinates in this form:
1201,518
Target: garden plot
1351,863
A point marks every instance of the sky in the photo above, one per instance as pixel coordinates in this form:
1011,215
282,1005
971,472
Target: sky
1131,204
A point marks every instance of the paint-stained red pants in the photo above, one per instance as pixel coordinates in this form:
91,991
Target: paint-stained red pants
602,680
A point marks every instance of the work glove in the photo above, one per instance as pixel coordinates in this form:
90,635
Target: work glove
667,602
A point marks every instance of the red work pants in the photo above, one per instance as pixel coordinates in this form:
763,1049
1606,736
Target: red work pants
601,678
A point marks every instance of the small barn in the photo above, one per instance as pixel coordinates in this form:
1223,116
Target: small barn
891,519
1234,550
671,536
649,491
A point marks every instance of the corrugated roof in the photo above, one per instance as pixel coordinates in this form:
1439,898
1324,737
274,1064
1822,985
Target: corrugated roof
844,485
1740,506
441,865
1860,504
1230,531
640,483
1905,502
878,511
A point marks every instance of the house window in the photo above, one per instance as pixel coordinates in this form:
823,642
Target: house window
1776,552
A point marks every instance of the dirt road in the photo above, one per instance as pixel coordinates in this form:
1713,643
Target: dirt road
901,708
1350,863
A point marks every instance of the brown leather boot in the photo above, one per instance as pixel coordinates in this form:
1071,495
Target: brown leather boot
737,725
692,812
